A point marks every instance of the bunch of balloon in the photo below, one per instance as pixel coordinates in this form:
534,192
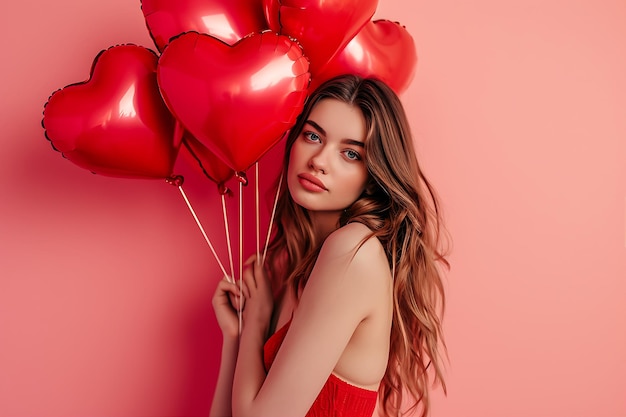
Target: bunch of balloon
231,78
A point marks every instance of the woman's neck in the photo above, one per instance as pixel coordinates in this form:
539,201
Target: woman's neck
324,223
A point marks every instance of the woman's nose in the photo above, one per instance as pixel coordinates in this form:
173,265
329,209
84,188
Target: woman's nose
318,162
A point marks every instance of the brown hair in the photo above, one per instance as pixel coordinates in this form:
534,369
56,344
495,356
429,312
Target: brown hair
400,208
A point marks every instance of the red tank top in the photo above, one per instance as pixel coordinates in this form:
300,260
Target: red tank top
337,398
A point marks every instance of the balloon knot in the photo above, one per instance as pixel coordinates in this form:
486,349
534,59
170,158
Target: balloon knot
242,177
175,180
224,190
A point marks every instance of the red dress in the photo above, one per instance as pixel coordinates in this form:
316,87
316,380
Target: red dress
337,397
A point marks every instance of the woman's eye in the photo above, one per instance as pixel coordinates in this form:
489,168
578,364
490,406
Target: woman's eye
312,136
352,155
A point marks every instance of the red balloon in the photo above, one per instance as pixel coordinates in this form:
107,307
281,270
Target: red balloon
323,27
115,123
382,49
213,167
237,101
228,20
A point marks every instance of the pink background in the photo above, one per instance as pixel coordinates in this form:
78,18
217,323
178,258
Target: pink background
519,111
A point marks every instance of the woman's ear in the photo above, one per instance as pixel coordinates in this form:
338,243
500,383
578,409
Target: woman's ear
370,188
374,188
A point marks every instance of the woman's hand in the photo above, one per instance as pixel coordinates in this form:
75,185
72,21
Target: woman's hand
226,301
258,294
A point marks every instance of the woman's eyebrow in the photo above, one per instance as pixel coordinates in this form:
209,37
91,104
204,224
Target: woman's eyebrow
354,142
316,126
323,132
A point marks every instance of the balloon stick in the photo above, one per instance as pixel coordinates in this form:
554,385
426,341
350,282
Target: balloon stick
228,241
269,229
240,250
208,241
256,195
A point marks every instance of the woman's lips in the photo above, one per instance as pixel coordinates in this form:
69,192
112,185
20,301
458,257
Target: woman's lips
311,183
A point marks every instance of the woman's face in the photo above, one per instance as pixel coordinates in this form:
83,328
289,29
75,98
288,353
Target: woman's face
327,170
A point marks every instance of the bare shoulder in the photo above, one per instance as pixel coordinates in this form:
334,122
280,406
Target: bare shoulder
353,237
352,271
353,246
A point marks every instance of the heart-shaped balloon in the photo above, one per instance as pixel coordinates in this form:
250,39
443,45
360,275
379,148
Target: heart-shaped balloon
213,167
237,101
382,49
115,123
228,20
322,27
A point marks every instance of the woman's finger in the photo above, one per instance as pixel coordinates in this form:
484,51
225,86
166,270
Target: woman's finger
250,260
229,287
245,292
225,288
259,274
248,279
237,301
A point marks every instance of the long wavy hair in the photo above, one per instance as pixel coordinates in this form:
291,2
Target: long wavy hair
400,208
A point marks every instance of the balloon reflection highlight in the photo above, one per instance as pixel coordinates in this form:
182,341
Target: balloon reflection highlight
227,20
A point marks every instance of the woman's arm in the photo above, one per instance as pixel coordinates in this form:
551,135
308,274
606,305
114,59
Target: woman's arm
225,304
345,284
222,398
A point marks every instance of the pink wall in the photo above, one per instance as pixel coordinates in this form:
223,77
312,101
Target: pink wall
519,109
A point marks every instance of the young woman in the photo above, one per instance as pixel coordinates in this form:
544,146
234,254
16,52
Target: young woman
346,310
